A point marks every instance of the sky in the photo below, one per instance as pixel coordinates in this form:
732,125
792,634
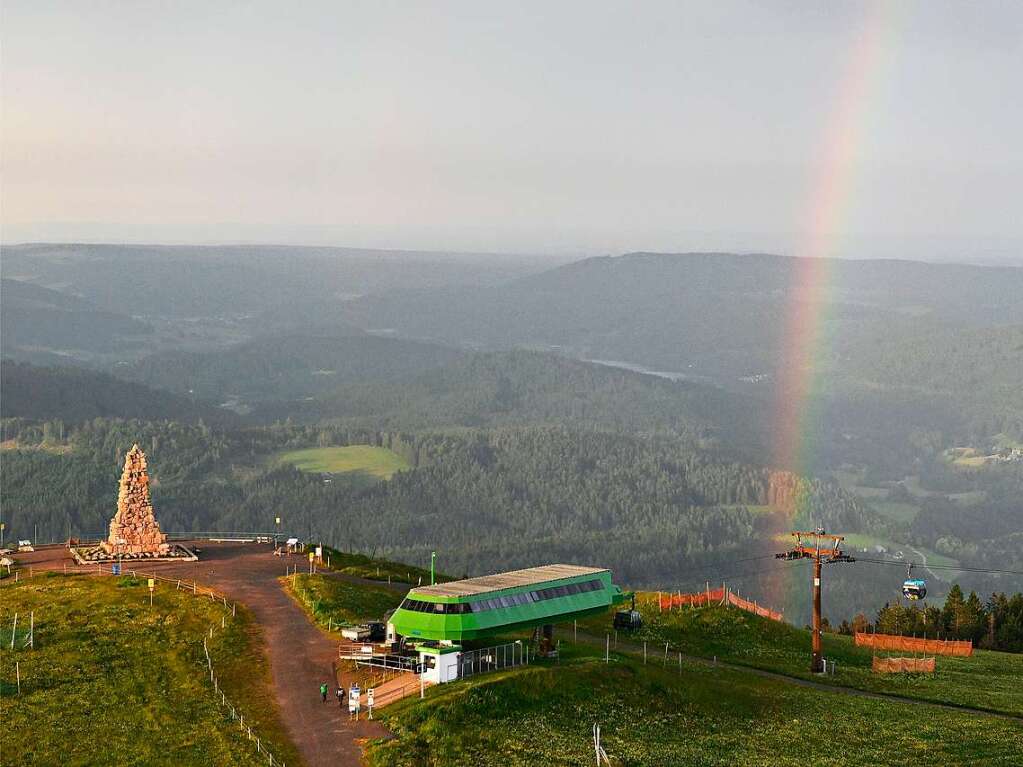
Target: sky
540,127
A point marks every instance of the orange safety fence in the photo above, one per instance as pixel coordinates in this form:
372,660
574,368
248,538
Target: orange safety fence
716,596
961,649
899,665
702,599
753,607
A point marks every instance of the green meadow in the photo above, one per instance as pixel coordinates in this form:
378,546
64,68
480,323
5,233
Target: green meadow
988,680
654,714
361,460
371,568
112,680
332,602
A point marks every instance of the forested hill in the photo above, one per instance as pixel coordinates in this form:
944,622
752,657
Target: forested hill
713,314
287,366
72,395
651,508
522,387
37,323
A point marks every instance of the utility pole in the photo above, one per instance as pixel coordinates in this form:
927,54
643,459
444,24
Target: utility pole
808,546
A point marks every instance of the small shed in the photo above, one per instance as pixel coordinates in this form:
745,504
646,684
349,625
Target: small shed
440,664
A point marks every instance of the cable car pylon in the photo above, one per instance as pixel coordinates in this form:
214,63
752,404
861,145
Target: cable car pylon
808,546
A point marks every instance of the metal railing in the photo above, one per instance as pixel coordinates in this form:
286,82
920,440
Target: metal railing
493,658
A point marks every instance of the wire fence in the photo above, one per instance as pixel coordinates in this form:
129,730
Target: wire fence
230,611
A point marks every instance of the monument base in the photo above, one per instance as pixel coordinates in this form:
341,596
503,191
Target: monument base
160,549
94,555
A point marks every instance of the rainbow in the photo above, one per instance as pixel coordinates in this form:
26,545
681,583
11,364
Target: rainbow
805,336
806,342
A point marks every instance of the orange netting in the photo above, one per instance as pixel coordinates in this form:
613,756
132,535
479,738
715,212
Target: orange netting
716,596
753,607
702,599
914,644
897,665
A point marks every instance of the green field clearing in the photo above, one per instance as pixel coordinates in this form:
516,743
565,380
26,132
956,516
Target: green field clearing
364,460
112,680
988,680
971,462
865,541
1003,440
850,481
673,715
904,513
332,602
969,498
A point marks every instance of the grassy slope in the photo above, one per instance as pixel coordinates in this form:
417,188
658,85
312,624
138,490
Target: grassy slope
333,602
988,680
543,714
376,462
112,680
362,566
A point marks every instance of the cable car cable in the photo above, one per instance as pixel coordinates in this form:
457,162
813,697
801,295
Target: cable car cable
921,565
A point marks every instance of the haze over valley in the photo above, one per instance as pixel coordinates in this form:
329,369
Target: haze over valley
429,385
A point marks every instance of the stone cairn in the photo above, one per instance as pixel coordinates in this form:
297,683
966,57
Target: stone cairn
134,523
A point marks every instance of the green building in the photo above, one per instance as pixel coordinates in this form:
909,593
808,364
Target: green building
476,608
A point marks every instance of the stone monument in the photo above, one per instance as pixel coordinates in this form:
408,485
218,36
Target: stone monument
134,529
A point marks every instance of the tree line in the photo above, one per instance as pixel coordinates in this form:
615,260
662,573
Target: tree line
995,624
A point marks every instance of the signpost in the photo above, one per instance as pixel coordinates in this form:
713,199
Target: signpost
369,701
353,701
152,588
312,556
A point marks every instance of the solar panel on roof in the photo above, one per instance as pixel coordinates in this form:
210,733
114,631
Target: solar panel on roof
512,579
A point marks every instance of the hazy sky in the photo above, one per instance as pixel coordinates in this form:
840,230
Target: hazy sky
542,127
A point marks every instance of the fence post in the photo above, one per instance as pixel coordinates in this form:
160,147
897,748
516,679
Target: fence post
665,653
644,652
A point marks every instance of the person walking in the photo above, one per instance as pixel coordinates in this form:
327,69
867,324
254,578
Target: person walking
323,692
341,696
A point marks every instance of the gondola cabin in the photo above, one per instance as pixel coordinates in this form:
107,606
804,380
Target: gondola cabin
914,588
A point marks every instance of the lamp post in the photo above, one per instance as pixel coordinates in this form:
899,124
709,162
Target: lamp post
433,562
277,534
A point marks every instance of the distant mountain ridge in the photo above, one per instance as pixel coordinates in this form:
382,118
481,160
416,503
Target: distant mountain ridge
40,323
74,395
479,390
292,366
